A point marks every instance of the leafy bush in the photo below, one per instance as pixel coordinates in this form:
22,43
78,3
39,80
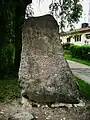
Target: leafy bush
82,52
66,46
6,59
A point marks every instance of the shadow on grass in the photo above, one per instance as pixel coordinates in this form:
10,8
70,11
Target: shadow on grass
9,90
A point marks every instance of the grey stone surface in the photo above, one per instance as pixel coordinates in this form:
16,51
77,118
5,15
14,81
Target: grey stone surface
44,75
22,116
17,112
3,116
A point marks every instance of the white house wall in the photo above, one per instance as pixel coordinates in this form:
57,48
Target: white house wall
82,42
84,38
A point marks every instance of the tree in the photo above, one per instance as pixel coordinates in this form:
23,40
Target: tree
66,11
20,7
12,15
29,11
3,22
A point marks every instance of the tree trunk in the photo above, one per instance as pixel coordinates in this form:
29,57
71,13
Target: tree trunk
3,25
20,16
20,13
18,44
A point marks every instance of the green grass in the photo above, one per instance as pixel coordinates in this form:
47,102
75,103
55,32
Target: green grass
69,57
9,90
84,89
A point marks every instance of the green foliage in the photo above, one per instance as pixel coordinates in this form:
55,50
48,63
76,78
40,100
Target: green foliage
67,11
29,11
12,15
9,90
66,46
11,23
82,52
84,89
68,56
6,59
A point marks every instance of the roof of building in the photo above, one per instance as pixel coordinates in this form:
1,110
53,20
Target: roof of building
80,30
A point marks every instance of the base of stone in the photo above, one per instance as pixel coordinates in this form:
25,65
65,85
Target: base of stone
28,111
26,103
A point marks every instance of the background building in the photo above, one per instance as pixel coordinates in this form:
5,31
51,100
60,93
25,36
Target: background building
79,36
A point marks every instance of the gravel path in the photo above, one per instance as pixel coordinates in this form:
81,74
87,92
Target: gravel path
15,111
80,70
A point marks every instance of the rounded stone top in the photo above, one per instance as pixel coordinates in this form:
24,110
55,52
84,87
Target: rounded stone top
45,21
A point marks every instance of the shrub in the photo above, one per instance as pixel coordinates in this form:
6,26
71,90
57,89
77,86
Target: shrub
82,52
6,59
66,46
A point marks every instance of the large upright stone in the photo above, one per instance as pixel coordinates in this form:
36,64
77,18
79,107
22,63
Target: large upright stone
44,74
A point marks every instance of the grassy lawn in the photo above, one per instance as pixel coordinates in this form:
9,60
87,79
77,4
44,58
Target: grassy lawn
9,90
69,57
84,89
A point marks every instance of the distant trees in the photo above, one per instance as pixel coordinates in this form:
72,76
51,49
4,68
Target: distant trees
66,11
29,11
12,15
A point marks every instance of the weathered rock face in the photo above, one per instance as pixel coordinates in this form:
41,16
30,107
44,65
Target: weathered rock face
44,75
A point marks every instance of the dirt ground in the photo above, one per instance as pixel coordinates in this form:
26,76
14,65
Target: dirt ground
43,112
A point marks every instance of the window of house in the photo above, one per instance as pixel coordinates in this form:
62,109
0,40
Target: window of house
60,40
88,36
69,39
77,38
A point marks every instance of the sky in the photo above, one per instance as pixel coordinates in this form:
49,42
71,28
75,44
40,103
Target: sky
42,8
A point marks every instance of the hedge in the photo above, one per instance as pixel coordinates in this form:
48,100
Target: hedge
82,52
66,46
